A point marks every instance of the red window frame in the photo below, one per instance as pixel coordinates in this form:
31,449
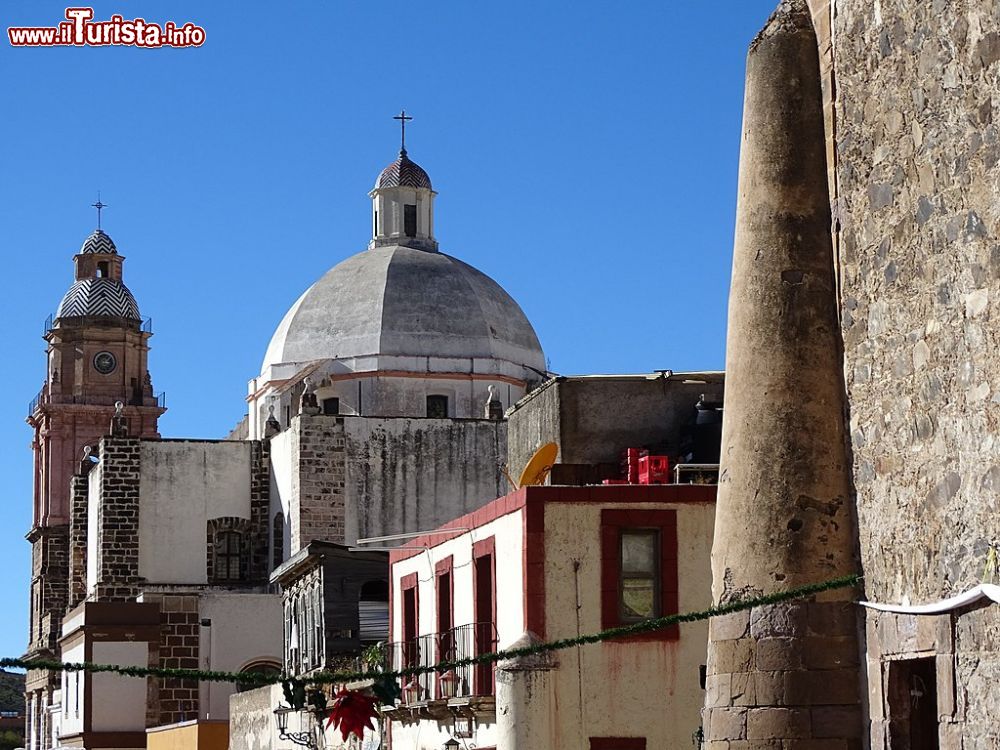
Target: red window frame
484,677
409,583
445,641
617,743
613,522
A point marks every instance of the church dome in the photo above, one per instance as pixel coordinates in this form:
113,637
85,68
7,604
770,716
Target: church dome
98,296
99,242
403,173
403,307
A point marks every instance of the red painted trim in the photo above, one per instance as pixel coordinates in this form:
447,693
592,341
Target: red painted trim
612,522
606,494
407,583
444,568
485,548
617,743
533,557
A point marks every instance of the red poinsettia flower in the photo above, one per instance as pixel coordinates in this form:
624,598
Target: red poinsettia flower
352,712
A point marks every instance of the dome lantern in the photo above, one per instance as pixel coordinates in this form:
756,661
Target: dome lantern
403,202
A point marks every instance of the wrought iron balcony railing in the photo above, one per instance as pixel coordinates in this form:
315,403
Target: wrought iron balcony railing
462,642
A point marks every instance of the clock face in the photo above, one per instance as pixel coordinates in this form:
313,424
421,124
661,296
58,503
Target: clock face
105,362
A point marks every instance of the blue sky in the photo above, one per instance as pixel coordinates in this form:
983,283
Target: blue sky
585,155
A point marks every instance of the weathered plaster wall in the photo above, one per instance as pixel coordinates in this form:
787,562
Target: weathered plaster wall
407,475
245,629
651,687
251,724
183,485
918,172
594,418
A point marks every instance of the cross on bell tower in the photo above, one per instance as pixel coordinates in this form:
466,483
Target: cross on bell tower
99,206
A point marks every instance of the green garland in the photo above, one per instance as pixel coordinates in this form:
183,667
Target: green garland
260,678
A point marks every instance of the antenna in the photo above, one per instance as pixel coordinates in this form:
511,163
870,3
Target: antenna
536,471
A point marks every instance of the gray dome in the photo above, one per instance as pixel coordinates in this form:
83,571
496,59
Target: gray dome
401,302
99,242
100,296
403,173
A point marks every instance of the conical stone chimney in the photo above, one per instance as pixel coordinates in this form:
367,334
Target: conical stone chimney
785,675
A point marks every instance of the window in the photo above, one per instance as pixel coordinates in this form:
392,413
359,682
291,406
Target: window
639,569
331,406
266,666
437,407
640,574
408,586
485,611
373,612
375,225
102,269
410,220
228,554
445,614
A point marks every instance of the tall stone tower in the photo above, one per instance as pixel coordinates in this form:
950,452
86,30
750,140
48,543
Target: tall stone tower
785,675
97,352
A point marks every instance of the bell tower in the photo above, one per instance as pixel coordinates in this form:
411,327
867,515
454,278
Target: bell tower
97,347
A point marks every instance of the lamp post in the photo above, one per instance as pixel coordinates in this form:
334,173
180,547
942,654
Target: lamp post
451,744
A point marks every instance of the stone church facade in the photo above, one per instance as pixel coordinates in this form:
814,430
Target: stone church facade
378,411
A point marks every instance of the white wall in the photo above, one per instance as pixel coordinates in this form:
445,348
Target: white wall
72,690
508,531
93,493
183,484
245,628
281,487
119,702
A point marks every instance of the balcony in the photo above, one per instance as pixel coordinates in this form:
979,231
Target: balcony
462,691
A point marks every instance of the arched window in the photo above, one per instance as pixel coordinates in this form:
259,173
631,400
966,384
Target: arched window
228,550
262,666
228,556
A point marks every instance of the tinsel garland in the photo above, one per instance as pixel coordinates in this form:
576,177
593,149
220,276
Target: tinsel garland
260,678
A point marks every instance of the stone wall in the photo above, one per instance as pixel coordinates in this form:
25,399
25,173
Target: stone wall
260,507
49,585
918,174
78,540
317,501
172,700
118,521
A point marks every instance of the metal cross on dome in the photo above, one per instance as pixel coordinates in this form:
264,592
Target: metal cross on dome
99,206
403,118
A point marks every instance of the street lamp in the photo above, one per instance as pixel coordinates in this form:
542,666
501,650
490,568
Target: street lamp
305,739
448,684
451,744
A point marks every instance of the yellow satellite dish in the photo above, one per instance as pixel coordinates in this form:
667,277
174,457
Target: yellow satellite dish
539,466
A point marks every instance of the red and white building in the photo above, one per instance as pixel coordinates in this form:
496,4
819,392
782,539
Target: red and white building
551,562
